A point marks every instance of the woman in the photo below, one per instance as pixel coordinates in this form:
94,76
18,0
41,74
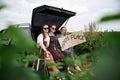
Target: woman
68,52
58,56
43,41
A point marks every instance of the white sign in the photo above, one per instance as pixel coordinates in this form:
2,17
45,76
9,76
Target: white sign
71,40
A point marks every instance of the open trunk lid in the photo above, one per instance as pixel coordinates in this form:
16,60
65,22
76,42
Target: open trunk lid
48,15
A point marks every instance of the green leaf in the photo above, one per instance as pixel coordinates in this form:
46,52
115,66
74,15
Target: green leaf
2,6
17,73
110,17
68,61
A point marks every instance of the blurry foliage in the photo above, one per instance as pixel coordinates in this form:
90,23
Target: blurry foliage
15,53
84,64
2,6
110,17
17,50
103,53
108,65
103,49
93,40
22,49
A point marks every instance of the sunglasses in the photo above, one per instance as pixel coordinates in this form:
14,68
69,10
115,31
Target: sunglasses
54,28
45,28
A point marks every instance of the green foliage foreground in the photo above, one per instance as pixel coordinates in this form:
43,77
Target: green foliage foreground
108,64
17,50
15,46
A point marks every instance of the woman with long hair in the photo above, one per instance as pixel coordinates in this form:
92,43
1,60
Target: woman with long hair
43,41
58,56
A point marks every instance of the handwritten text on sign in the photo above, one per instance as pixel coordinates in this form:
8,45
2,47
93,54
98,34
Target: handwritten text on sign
71,40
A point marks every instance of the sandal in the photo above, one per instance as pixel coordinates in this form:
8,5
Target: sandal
68,69
78,68
58,78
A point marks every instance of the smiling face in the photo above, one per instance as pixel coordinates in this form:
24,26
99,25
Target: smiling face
63,30
53,28
45,28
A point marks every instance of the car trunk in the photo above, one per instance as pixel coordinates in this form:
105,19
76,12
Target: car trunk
48,15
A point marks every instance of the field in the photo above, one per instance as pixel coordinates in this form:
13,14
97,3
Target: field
98,57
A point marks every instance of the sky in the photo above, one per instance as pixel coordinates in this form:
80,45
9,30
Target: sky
87,11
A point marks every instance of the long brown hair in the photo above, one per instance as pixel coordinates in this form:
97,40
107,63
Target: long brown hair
51,26
44,36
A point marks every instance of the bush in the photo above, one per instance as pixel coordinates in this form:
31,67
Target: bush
93,41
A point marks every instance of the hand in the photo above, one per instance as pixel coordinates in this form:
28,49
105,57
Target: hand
47,52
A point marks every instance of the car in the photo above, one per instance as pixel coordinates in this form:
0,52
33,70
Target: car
42,15
48,15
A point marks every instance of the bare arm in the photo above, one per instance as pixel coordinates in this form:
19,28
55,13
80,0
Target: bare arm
43,47
41,44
